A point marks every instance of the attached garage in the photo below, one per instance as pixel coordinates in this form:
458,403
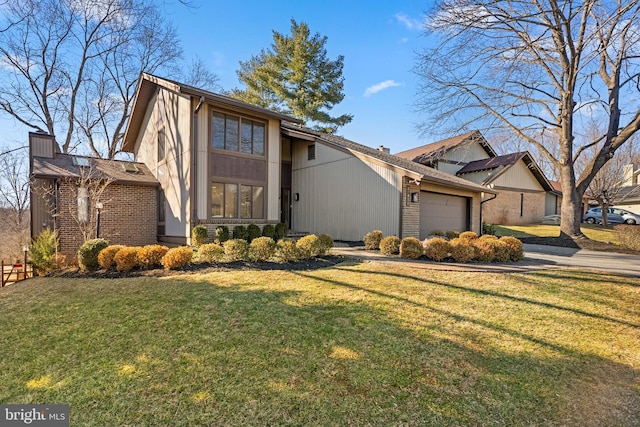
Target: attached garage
444,212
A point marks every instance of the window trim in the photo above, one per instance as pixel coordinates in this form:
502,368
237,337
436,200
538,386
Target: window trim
238,202
242,119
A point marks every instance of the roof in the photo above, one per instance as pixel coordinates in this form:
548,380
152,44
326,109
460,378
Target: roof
423,172
147,87
629,193
505,162
437,149
64,166
557,186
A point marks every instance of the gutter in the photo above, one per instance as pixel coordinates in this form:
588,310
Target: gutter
482,202
194,152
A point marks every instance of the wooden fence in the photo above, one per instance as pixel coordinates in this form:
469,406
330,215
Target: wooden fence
12,273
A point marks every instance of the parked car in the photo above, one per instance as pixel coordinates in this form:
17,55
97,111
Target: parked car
614,216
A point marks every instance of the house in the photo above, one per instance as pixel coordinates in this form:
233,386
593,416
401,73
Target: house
523,194
220,161
67,190
629,194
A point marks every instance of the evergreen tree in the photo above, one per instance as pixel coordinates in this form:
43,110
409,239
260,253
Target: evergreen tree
295,77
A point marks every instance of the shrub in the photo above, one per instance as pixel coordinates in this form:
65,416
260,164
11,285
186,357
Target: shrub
437,233
468,235
269,231
150,256
501,251
488,228
452,235
516,252
326,243
411,248
240,232
372,240
253,232
287,250
262,248
106,257
236,249
281,230
43,252
177,257
88,253
199,235
210,252
437,248
629,236
485,251
488,237
222,234
126,258
461,250
309,246
390,245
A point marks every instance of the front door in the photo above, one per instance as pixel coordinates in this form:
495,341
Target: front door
285,207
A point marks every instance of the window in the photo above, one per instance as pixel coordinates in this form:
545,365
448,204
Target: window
162,144
161,207
311,152
521,204
235,133
227,203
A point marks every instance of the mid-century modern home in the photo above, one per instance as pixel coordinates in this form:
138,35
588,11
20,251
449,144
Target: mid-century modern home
523,195
204,158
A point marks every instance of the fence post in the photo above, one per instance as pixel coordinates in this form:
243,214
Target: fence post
2,272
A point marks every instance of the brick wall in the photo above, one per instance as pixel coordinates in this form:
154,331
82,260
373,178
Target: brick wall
128,217
505,208
410,211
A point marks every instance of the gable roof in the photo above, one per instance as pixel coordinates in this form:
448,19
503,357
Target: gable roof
629,193
147,86
504,163
65,166
412,168
437,149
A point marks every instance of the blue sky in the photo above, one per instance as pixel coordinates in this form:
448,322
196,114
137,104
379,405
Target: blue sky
378,41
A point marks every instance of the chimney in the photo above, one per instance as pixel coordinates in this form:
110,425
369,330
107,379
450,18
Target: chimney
628,178
384,149
42,145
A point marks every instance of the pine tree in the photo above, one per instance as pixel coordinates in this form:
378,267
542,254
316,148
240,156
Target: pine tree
295,77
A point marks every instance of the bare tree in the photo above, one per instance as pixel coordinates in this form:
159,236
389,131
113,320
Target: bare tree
539,68
14,202
69,64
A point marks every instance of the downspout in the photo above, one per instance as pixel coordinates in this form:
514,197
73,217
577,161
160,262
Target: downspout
482,202
194,152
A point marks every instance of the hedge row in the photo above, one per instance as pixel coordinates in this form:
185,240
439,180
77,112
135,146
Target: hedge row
466,247
200,233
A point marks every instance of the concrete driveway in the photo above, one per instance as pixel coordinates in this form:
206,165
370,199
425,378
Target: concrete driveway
536,257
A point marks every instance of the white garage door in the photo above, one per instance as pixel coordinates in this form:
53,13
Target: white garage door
442,212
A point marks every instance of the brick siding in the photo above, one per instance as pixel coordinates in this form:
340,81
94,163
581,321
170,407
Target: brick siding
505,208
410,211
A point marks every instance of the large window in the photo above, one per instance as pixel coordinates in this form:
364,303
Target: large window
238,134
226,202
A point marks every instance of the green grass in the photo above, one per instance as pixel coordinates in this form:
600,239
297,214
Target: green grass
356,344
593,232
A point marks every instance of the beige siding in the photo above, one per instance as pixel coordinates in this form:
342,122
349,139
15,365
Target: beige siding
343,196
632,208
202,156
518,176
449,168
465,153
273,170
41,145
478,177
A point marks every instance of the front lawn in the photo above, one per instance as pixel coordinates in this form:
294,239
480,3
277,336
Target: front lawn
354,344
592,231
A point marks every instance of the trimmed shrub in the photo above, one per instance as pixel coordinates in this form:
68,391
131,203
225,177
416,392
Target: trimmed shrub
88,253
309,246
468,235
461,250
437,233
150,256
240,232
199,235
390,245
326,243
372,240
222,234
488,237
410,248
488,229
269,231
501,251
262,248
516,253
106,257
287,250
43,252
629,236
485,251
452,235
437,248
253,232
281,230
126,258
177,257
210,252
236,249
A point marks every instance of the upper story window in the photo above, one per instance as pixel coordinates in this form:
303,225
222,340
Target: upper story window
311,152
238,134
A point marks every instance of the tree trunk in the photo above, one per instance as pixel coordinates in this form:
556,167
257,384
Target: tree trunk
571,208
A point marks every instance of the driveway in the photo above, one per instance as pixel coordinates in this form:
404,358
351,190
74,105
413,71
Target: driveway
536,257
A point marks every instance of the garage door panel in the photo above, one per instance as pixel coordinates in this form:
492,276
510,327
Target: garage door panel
442,212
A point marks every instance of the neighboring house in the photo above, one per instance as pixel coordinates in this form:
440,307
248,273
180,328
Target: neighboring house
220,161
629,194
66,191
522,189
553,199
